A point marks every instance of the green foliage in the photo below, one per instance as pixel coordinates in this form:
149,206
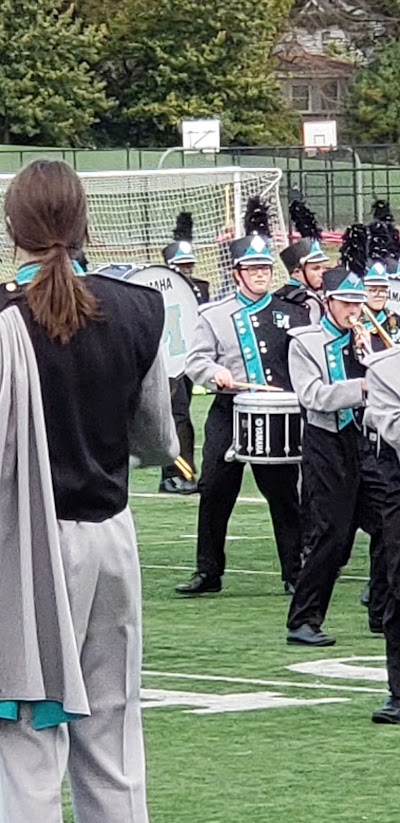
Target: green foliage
373,104
49,92
169,59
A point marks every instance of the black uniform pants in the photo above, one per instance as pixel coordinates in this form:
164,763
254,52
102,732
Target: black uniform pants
181,395
391,533
340,495
219,486
373,480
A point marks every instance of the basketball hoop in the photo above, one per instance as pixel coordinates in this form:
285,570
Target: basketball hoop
319,136
201,135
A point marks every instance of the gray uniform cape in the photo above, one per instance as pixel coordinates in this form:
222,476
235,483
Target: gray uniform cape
383,382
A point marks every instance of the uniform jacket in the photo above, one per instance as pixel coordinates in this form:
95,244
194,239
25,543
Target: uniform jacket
383,408
321,366
120,398
295,292
249,338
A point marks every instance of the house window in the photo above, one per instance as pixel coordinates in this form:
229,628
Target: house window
301,96
330,96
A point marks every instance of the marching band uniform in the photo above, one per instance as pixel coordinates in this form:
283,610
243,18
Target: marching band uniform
248,337
374,596
383,377
300,253
106,383
180,255
302,286
327,377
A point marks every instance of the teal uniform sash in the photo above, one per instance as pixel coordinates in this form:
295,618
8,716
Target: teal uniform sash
334,351
245,321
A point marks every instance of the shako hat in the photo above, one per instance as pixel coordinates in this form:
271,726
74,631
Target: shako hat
181,251
254,247
376,274
343,285
308,249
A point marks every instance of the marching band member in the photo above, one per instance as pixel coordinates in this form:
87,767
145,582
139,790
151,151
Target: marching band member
383,379
304,261
366,249
243,338
180,255
376,282
329,382
81,373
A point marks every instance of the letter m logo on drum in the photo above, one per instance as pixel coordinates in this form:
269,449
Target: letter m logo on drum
173,331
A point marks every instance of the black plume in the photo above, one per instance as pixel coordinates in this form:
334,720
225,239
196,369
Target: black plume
381,212
353,251
304,220
379,240
256,217
184,227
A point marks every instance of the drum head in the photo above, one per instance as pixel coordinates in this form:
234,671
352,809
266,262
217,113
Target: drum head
181,310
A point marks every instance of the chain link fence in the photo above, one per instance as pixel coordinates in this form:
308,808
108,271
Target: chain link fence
339,185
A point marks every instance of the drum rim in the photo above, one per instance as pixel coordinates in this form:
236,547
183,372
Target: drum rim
173,269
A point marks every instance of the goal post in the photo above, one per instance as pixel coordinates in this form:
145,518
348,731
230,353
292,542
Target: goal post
132,215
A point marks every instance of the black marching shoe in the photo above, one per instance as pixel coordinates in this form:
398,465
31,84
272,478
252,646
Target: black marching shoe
376,626
307,636
199,583
389,713
289,588
178,485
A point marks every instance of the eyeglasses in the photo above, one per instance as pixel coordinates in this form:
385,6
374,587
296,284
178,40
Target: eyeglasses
254,271
377,291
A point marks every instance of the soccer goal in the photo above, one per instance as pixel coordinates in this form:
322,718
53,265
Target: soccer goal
133,215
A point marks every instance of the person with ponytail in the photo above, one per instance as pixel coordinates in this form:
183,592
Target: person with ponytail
82,387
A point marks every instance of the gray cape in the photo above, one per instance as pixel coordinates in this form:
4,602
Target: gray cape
38,654
383,407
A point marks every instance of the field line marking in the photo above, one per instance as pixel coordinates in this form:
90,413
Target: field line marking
191,498
255,681
228,571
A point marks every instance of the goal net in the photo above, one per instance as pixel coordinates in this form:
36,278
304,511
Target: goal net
132,216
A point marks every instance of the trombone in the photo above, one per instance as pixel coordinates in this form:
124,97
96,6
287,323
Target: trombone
359,328
385,337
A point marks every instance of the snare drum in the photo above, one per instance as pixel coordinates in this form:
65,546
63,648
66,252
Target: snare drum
266,428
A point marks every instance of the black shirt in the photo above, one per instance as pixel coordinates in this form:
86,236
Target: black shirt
90,389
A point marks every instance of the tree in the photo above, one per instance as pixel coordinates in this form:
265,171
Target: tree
49,92
373,104
173,59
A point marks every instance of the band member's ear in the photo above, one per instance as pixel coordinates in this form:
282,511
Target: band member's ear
9,226
235,275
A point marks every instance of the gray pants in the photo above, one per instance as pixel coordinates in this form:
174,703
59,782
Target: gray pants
104,753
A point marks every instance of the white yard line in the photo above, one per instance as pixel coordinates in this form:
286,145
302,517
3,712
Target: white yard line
252,681
228,571
192,498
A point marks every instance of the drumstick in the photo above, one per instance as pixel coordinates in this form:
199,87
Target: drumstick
184,467
258,386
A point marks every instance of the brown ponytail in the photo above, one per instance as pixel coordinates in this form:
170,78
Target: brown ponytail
45,207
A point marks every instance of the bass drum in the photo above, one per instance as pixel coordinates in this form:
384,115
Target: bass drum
181,310
181,307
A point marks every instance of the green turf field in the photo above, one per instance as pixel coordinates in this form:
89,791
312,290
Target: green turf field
280,763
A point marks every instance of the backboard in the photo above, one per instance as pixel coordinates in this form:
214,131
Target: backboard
201,135
319,135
